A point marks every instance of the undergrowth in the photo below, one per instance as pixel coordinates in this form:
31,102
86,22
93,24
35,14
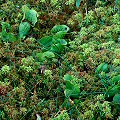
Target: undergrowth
59,61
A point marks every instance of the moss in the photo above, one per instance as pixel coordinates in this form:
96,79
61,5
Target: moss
29,86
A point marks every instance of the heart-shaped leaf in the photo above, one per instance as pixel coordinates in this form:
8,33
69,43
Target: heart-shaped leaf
24,29
30,15
71,89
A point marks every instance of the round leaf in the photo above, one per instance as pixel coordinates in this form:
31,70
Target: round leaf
31,15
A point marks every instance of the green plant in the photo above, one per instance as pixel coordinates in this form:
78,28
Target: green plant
53,74
103,67
30,15
7,35
72,88
55,42
45,56
115,88
24,29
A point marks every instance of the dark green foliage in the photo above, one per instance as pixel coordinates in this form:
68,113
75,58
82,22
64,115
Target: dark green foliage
7,35
24,28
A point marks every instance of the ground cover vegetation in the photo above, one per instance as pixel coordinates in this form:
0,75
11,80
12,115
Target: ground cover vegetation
60,60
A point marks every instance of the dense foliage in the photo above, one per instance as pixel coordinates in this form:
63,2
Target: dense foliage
60,60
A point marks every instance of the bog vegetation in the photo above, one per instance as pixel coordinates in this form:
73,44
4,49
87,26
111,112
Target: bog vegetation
60,60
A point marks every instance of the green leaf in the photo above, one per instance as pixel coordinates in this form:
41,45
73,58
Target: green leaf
11,37
43,56
78,3
40,57
115,79
25,9
105,67
67,77
62,42
46,41
5,26
113,90
98,69
60,34
24,29
71,89
58,48
72,92
69,85
67,92
102,67
116,98
49,54
75,92
58,28
7,36
30,15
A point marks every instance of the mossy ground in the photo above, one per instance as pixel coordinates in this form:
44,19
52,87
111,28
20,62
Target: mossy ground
29,87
